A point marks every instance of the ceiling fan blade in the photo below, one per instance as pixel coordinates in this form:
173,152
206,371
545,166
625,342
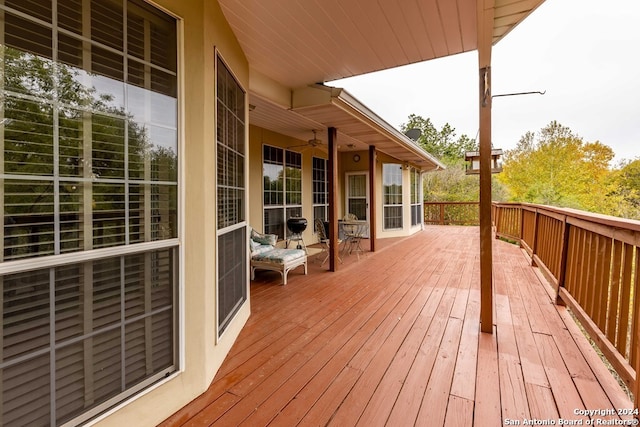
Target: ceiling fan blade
299,146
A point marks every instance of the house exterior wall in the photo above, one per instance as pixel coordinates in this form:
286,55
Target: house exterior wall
258,137
202,30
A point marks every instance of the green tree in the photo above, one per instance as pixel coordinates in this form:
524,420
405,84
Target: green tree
626,184
556,167
451,184
441,143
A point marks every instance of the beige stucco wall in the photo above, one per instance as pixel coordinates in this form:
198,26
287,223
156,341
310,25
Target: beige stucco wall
203,29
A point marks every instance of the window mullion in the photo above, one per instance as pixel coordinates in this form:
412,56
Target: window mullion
148,325
87,316
52,345
87,216
148,332
56,218
56,171
147,118
123,337
125,73
2,122
87,143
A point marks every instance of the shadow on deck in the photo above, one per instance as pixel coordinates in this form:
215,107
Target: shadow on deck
393,339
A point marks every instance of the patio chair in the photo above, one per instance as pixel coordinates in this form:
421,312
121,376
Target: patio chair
323,240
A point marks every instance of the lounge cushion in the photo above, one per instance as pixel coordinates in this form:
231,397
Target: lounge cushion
279,256
260,249
264,239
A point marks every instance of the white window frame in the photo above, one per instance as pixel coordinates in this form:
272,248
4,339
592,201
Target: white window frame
386,207
284,207
325,184
416,202
242,224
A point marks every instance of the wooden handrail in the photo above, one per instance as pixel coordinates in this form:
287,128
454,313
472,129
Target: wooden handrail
451,213
593,262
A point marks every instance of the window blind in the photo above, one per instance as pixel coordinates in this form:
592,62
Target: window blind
86,167
232,239
93,359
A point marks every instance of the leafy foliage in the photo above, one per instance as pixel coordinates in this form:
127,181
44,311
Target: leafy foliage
626,183
556,167
441,143
451,184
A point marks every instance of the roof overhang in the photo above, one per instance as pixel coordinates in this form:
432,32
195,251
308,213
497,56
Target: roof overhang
292,45
315,41
318,107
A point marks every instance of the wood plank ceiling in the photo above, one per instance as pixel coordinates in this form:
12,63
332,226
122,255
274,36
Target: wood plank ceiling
298,43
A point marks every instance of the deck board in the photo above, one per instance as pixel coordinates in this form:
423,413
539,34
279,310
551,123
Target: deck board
393,339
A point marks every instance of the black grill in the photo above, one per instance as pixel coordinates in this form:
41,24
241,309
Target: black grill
297,225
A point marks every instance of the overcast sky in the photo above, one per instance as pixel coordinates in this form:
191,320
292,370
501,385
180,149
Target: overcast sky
583,53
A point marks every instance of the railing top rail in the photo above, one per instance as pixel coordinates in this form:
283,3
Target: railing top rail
607,220
451,203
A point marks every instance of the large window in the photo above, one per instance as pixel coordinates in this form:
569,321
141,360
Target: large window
232,240
320,190
282,174
392,196
89,182
416,199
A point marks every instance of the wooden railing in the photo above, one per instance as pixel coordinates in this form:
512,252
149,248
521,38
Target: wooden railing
451,213
593,262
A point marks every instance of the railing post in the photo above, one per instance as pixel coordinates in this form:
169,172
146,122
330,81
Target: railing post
635,334
497,219
521,224
564,251
441,213
534,245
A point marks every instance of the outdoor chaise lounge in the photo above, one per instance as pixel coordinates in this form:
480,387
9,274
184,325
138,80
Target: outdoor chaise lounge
266,256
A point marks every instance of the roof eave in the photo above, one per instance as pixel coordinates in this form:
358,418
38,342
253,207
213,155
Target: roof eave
307,99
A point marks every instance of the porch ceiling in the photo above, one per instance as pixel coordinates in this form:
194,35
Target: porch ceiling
301,43
319,107
294,45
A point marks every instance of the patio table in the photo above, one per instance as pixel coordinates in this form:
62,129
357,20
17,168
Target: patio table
354,231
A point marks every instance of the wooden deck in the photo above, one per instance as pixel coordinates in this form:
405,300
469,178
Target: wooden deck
393,339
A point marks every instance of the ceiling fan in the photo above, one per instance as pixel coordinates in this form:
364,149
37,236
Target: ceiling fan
311,143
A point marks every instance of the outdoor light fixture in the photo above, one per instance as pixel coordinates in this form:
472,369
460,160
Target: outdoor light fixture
472,159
